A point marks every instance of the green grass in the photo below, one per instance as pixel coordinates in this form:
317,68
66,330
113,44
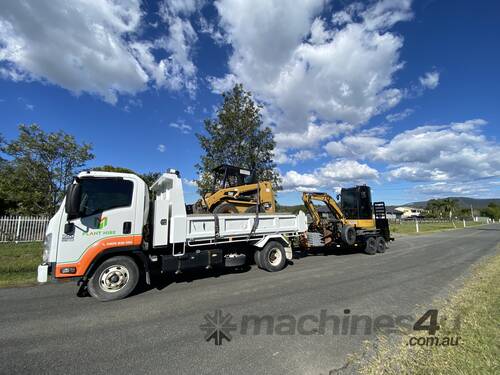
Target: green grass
408,227
477,305
18,263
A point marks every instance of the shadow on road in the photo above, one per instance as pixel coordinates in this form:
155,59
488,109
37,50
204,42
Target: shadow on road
326,251
160,281
490,229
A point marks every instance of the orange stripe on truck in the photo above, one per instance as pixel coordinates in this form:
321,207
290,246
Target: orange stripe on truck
94,250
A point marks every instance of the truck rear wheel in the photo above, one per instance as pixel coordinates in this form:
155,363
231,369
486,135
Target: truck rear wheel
114,279
381,245
371,246
272,257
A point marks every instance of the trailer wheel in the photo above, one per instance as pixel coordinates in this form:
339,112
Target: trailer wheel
371,246
225,208
381,245
272,257
114,279
348,234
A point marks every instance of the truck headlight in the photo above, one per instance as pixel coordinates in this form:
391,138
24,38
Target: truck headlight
46,248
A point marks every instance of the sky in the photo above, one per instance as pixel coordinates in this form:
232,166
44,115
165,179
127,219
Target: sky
399,95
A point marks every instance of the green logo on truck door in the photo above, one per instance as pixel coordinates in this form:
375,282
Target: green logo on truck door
101,223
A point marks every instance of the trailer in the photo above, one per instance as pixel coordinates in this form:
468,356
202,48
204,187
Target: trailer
109,236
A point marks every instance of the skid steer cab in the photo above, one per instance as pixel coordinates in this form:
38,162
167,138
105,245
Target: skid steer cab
236,190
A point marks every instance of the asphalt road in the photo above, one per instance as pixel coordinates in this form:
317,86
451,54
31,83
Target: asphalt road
48,329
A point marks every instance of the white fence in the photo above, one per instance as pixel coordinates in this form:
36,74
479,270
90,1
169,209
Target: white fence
22,228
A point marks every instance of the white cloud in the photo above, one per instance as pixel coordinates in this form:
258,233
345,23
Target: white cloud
192,183
342,171
161,148
220,85
312,136
339,74
430,80
457,151
179,69
186,129
103,54
319,33
446,189
211,29
281,157
293,180
399,116
446,156
354,146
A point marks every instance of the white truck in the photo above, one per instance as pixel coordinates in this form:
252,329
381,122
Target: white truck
108,236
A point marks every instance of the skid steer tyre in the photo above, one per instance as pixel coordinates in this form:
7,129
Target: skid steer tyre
225,208
371,246
381,245
348,235
253,209
272,257
114,279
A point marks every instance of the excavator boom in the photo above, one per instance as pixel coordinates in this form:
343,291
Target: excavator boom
332,205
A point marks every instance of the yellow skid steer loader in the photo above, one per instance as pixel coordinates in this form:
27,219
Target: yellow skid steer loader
236,190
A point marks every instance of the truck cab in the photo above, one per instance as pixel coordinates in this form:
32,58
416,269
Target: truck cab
101,211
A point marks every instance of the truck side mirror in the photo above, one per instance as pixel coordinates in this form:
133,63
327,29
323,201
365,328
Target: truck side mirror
69,229
72,205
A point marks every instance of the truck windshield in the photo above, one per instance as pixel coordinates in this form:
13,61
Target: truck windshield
101,194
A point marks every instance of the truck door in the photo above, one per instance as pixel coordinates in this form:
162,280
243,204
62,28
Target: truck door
105,220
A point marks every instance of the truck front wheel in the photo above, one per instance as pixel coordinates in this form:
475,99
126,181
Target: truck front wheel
272,257
114,279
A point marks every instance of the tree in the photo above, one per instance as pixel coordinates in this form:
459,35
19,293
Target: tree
443,208
450,206
40,167
149,178
492,211
112,168
5,203
236,137
435,208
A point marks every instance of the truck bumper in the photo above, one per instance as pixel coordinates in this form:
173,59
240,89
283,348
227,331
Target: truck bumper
43,273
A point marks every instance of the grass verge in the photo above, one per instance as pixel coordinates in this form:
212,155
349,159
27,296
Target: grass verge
408,227
18,263
477,305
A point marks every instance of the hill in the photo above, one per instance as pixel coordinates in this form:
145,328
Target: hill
462,202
